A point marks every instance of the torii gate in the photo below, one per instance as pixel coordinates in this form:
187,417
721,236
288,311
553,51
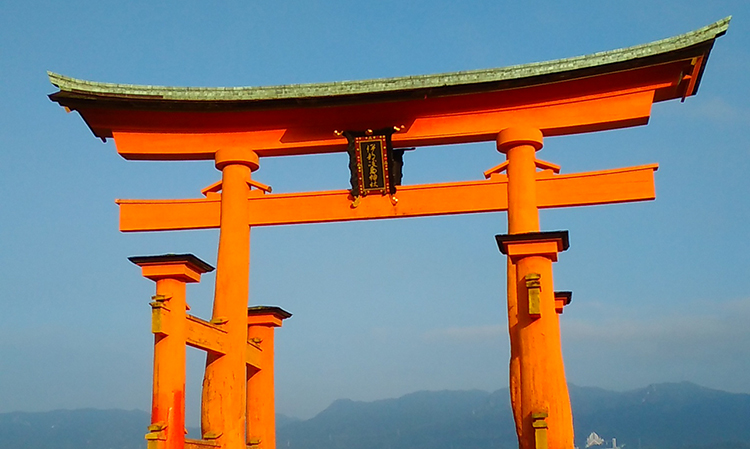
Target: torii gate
236,127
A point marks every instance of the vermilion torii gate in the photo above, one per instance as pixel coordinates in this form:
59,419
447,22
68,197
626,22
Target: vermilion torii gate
236,127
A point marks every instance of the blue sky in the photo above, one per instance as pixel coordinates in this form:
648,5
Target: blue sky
660,288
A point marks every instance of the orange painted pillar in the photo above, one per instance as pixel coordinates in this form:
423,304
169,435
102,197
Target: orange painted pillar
537,375
523,216
170,272
520,146
261,400
514,379
223,398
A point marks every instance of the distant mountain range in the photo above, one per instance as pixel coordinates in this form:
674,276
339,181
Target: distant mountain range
661,416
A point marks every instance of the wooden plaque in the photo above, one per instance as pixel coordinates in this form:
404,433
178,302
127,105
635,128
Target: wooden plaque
372,164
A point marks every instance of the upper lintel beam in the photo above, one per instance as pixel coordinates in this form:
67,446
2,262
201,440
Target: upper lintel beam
586,114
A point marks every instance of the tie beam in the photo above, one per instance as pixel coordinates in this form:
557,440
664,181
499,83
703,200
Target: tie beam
579,189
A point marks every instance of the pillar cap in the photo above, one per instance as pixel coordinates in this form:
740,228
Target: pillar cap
562,299
564,296
561,237
519,135
266,315
268,310
241,156
184,267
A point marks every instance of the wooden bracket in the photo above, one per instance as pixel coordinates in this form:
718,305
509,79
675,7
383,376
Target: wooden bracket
216,187
496,170
544,165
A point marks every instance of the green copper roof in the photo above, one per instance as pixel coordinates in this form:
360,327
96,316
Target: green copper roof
89,89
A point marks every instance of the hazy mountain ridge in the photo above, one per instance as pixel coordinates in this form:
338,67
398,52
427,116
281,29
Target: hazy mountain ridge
664,416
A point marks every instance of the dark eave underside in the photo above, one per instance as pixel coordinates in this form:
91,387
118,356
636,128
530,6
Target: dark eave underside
77,94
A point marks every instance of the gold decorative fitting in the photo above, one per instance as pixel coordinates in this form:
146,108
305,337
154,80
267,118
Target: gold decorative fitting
539,423
534,287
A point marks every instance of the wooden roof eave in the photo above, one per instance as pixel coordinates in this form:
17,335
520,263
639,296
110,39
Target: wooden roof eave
79,94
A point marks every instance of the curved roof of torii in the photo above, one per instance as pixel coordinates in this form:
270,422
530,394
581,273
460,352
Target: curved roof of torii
551,70
410,98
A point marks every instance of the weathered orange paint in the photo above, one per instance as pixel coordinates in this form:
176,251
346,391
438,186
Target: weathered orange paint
543,385
205,336
168,395
168,402
261,415
536,354
578,189
514,368
223,398
261,399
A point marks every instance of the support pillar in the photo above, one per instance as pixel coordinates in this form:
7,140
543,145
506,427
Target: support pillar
537,376
261,400
170,272
223,398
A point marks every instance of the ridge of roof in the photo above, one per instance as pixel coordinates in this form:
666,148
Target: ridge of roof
383,85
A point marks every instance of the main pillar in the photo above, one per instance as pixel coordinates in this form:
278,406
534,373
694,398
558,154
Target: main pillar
539,394
223,399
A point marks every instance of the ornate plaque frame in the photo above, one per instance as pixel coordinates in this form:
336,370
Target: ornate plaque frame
372,164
